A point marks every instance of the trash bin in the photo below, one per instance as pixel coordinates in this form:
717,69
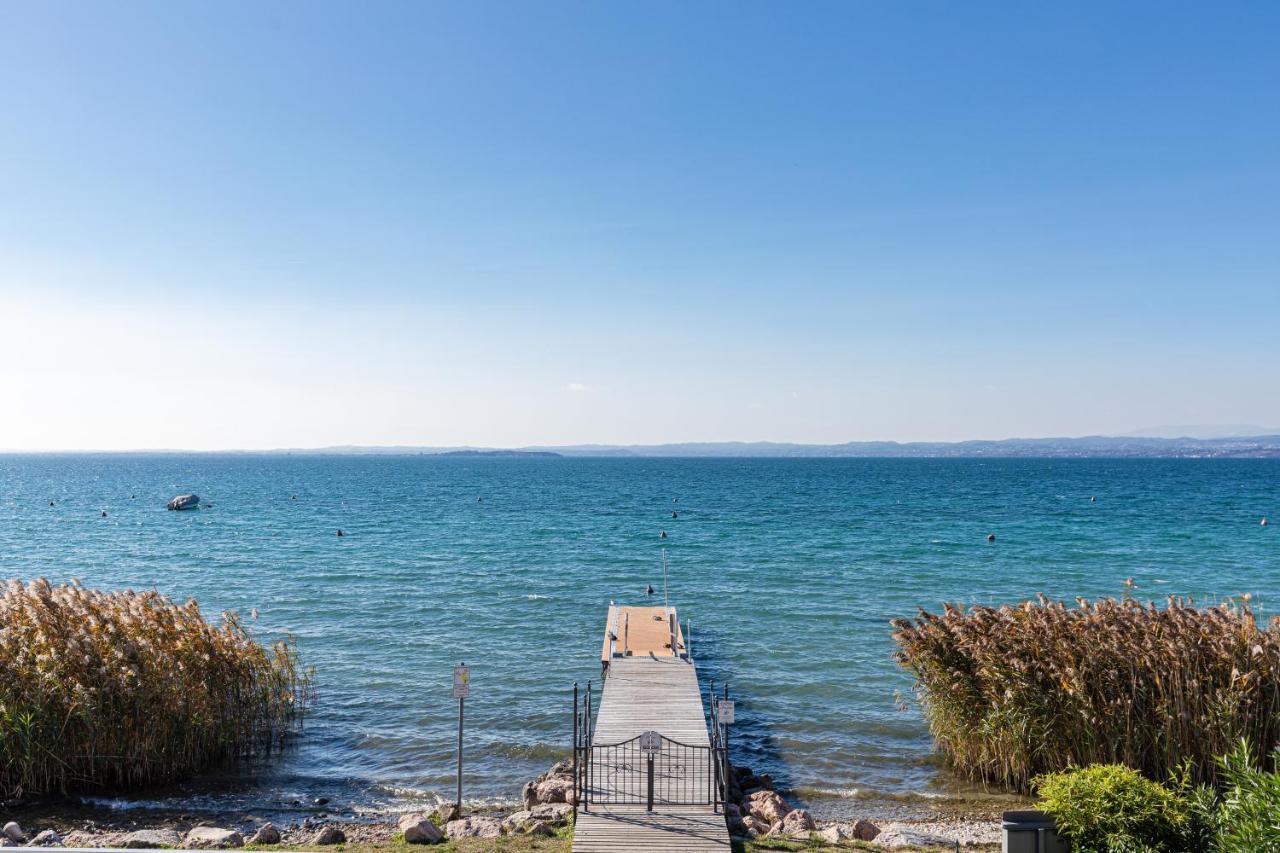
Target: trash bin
1031,832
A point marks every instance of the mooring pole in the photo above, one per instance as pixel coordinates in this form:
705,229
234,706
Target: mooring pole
461,704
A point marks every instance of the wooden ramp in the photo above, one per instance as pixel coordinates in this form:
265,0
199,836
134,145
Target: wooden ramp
653,692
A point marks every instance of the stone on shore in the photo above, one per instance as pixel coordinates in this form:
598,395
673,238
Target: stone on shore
149,839
474,827
798,822
767,806
446,812
754,825
556,790
6,841
13,832
266,834
46,838
212,838
861,830
901,836
418,829
329,835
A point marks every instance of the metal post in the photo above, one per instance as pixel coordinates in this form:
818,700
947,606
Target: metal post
460,712
671,628
688,638
724,741
665,603
577,731
626,630
650,762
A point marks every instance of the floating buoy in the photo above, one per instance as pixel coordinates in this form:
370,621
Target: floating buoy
673,515
1264,522
479,499
1093,500
991,537
663,534
293,497
648,590
50,503
340,533
104,513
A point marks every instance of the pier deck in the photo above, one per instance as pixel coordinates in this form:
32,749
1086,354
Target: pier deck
650,689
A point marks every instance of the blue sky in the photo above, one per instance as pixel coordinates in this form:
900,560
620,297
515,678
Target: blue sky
501,224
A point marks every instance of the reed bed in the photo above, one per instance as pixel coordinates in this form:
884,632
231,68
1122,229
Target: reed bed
114,690
1016,691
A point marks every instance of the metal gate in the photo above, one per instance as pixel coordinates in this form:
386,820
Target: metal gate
649,769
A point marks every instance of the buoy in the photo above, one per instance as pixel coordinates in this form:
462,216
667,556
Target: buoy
991,537
673,515
479,499
293,497
104,513
663,534
1264,522
1093,500
50,503
340,533
648,590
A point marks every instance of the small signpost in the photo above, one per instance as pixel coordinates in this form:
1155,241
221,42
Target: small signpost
461,690
724,711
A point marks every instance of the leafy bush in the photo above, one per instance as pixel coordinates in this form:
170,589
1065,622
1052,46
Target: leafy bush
1107,808
121,689
1014,692
1248,817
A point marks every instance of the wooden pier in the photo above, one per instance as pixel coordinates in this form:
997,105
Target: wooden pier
637,791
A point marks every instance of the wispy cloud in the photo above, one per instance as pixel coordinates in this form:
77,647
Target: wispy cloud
576,387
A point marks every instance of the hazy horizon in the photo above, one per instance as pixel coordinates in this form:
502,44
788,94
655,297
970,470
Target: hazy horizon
241,227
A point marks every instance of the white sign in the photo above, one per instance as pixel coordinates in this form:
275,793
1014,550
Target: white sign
724,710
650,742
461,681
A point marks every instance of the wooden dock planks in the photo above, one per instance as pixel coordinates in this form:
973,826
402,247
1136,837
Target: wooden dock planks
652,693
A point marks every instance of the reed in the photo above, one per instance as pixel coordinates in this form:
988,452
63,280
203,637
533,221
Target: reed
1016,691
113,690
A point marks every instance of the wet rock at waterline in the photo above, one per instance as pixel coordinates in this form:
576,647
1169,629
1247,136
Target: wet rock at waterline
329,835
13,832
46,838
151,839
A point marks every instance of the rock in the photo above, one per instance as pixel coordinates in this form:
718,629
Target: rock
798,822
212,838
528,794
755,825
446,812
419,830
46,838
732,811
556,789
901,836
865,830
775,828
6,841
515,822
266,834
767,806
556,813
329,835
184,502
539,827
13,832
320,801
562,769
474,827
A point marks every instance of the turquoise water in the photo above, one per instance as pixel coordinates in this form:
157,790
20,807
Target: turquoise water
790,571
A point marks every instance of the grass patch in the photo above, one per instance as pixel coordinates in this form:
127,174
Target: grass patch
115,690
1011,693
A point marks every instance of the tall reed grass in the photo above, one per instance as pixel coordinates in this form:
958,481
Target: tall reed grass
112,690
1016,691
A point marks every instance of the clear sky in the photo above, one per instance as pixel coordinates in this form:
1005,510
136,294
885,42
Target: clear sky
258,225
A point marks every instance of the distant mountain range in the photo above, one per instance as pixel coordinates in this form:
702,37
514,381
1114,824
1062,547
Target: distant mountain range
1235,447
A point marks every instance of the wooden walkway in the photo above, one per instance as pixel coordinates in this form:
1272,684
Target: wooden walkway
650,690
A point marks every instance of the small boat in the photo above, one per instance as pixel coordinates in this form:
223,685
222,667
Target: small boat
184,502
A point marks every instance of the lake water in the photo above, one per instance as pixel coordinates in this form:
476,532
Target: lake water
790,571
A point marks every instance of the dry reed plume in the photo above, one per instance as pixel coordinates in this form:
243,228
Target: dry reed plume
121,689
1013,692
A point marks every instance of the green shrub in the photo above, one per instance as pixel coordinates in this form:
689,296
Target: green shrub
1013,692
1107,808
1248,816
124,689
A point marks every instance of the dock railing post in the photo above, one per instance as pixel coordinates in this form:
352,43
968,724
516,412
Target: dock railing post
650,774
671,627
688,639
724,743
626,630
577,731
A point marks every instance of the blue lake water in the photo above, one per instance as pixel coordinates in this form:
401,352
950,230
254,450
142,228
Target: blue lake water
790,571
